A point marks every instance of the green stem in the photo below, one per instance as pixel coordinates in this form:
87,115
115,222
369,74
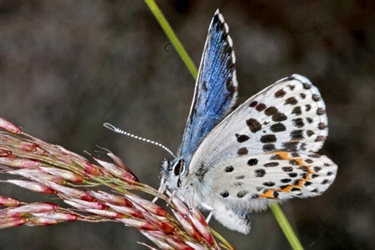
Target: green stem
275,208
285,226
172,37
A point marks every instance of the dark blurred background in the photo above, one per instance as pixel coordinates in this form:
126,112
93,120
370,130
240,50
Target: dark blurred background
68,66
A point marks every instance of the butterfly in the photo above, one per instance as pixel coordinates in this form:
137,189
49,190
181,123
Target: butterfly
234,162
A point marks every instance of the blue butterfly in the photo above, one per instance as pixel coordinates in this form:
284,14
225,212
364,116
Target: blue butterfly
233,162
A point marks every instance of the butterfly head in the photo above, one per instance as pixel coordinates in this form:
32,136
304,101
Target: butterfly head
173,172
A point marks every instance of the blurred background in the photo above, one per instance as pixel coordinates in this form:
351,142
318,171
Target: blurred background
68,66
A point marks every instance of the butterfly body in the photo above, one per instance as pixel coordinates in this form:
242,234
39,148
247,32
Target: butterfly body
235,162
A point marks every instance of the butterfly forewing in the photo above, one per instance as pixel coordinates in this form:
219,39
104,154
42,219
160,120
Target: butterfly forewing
287,116
216,87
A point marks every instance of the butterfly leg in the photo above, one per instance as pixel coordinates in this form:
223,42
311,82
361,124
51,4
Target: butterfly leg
209,216
161,189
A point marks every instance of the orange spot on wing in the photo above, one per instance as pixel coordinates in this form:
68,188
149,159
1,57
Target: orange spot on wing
285,156
267,195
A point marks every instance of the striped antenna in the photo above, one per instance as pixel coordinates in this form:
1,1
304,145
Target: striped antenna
120,131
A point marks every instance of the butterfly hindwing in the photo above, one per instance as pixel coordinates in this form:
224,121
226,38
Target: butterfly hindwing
216,87
277,175
244,184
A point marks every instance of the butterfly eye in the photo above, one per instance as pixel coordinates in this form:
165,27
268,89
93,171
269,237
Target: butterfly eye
179,168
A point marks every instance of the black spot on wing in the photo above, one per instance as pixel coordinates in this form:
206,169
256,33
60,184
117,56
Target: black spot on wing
287,169
269,184
296,134
322,125
316,97
204,86
290,146
280,93
286,180
306,86
260,172
253,125
276,157
252,162
293,162
298,122
307,183
291,101
253,104
291,86
201,172
317,169
242,138
224,194
271,111
279,117
268,147
260,107
320,111
297,110
268,138
309,161
292,175
310,133
229,169
314,155
271,164
320,138
275,194
304,168
241,193
295,154
278,127
242,151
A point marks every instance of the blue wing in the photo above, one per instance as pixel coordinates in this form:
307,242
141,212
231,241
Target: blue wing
216,87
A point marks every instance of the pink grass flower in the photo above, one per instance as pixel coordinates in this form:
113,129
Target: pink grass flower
33,186
10,127
28,208
8,202
59,216
20,163
52,169
12,222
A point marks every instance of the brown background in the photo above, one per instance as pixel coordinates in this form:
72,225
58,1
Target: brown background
68,66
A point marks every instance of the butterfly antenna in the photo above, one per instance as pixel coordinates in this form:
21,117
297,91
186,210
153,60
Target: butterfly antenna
120,131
